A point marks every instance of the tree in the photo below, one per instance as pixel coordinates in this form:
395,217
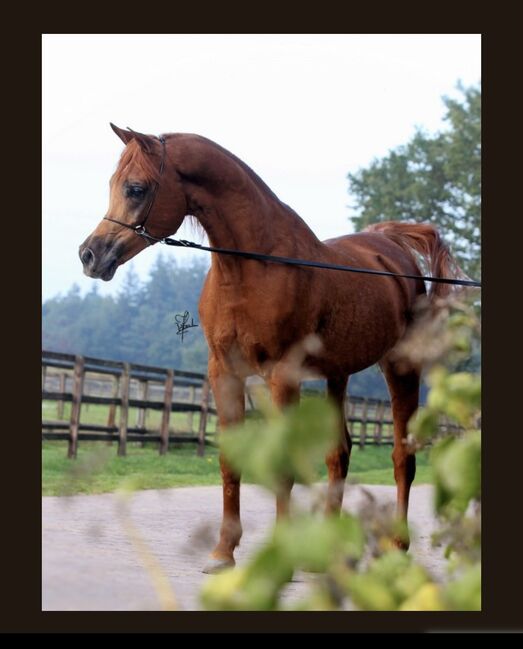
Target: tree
433,178
136,325
130,293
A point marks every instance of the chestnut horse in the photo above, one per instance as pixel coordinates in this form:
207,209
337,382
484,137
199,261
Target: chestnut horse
253,313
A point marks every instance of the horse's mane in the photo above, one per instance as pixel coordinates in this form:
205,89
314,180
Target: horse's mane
264,188
147,163
133,155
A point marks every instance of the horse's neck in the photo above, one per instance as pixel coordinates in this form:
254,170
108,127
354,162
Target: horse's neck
236,209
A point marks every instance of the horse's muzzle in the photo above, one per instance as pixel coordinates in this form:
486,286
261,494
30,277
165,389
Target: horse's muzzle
98,263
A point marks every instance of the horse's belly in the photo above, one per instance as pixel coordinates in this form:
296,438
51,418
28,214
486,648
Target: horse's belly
252,338
363,340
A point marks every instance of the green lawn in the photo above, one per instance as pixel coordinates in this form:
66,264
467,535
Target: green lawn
98,469
92,413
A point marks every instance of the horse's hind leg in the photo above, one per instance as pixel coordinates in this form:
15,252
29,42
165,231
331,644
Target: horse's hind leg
404,393
229,396
337,460
284,395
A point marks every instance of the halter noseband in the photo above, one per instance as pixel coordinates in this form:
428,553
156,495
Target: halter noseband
140,228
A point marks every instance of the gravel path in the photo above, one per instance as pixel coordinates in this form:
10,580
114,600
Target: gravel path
90,564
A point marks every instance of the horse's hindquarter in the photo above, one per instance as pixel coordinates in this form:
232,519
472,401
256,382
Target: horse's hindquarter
370,312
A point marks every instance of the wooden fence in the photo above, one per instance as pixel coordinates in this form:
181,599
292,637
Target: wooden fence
369,421
140,391
83,380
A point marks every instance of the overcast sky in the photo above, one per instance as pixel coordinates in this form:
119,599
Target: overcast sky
301,110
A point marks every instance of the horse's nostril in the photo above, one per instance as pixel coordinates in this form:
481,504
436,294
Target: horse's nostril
87,257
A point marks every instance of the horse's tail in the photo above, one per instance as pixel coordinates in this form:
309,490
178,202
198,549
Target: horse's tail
425,240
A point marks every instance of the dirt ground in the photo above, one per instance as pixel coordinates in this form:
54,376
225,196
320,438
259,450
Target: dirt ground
89,562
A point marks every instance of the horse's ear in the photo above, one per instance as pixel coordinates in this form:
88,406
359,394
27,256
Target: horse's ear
145,141
125,136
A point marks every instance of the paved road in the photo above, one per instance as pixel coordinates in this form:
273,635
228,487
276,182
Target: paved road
90,564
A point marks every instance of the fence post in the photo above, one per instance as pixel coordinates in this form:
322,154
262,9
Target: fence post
363,429
204,409
190,414
167,403
60,402
124,410
345,413
111,419
140,415
250,399
78,387
348,407
380,416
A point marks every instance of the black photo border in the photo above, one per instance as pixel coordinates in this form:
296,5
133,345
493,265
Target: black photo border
20,606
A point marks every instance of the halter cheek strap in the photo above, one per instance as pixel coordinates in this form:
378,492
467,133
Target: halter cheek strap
140,228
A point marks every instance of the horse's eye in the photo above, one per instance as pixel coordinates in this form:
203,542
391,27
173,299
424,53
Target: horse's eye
134,191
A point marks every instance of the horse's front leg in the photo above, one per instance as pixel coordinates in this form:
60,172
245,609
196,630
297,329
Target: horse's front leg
229,395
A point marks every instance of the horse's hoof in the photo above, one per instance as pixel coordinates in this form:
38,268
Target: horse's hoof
217,565
401,543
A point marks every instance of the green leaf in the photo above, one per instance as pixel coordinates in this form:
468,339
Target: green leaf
313,544
457,472
371,593
426,598
464,594
287,444
424,424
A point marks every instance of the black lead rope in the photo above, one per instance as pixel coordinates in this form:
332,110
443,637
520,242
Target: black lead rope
182,243
290,261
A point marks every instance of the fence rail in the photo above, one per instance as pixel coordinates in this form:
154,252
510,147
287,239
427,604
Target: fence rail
158,393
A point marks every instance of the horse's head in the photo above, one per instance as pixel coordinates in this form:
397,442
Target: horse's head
140,189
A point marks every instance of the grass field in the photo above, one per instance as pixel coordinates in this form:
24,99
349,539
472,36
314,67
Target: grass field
98,469
97,414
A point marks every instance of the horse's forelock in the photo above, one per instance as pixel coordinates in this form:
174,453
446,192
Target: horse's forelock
133,158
